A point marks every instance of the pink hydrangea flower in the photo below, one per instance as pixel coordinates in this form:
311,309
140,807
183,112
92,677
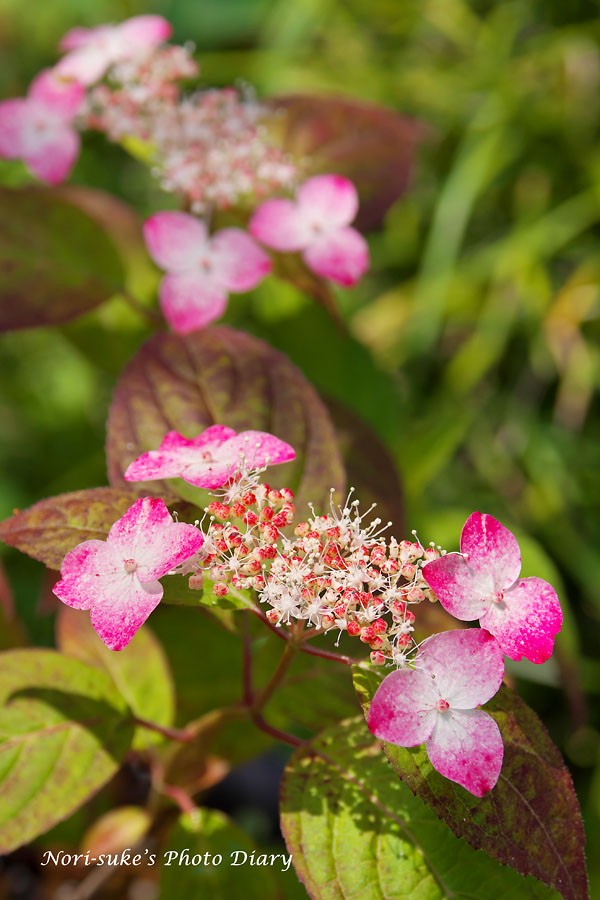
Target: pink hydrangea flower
201,270
91,51
437,702
482,582
210,460
117,579
39,128
317,225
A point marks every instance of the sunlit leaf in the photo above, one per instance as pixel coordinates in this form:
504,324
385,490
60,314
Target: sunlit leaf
355,830
64,729
530,821
140,671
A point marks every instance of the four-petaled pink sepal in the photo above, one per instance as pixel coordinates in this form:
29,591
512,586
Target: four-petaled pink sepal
482,582
436,704
317,224
201,270
91,51
212,459
39,128
117,579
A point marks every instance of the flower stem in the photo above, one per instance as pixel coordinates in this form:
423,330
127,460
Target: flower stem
283,665
173,734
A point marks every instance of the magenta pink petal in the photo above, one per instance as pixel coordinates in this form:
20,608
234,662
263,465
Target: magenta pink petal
166,548
466,746
53,160
404,708
191,301
63,97
13,122
526,622
341,255
491,549
279,224
260,449
209,475
330,198
468,666
118,618
175,240
130,532
154,465
239,263
454,583
144,31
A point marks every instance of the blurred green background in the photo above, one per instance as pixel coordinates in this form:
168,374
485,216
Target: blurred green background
472,348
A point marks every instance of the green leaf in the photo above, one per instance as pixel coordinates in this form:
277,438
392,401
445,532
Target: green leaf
355,830
140,671
210,834
64,730
56,261
12,633
219,375
530,820
371,145
49,529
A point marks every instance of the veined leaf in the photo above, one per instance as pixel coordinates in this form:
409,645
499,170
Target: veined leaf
64,729
530,820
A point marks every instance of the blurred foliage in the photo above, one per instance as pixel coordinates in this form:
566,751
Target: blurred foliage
473,350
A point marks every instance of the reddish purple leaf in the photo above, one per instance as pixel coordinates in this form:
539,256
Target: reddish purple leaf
371,145
531,820
49,529
220,376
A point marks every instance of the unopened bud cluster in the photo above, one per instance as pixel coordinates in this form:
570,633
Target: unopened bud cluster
210,147
335,573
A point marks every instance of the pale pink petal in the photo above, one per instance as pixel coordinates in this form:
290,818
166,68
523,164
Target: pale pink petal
238,262
526,621
462,593
258,449
332,199
404,708
144,31
82,571
119,616
63,97
147,535
466,746
53,160
175,240
491,549
77,37
13,122
190,301
87,64
468,666
278,224
214,434
341,255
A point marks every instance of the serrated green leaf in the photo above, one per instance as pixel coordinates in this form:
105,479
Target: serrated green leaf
210,835
140,671
355,830
47,279
222,376
530,820
64,730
